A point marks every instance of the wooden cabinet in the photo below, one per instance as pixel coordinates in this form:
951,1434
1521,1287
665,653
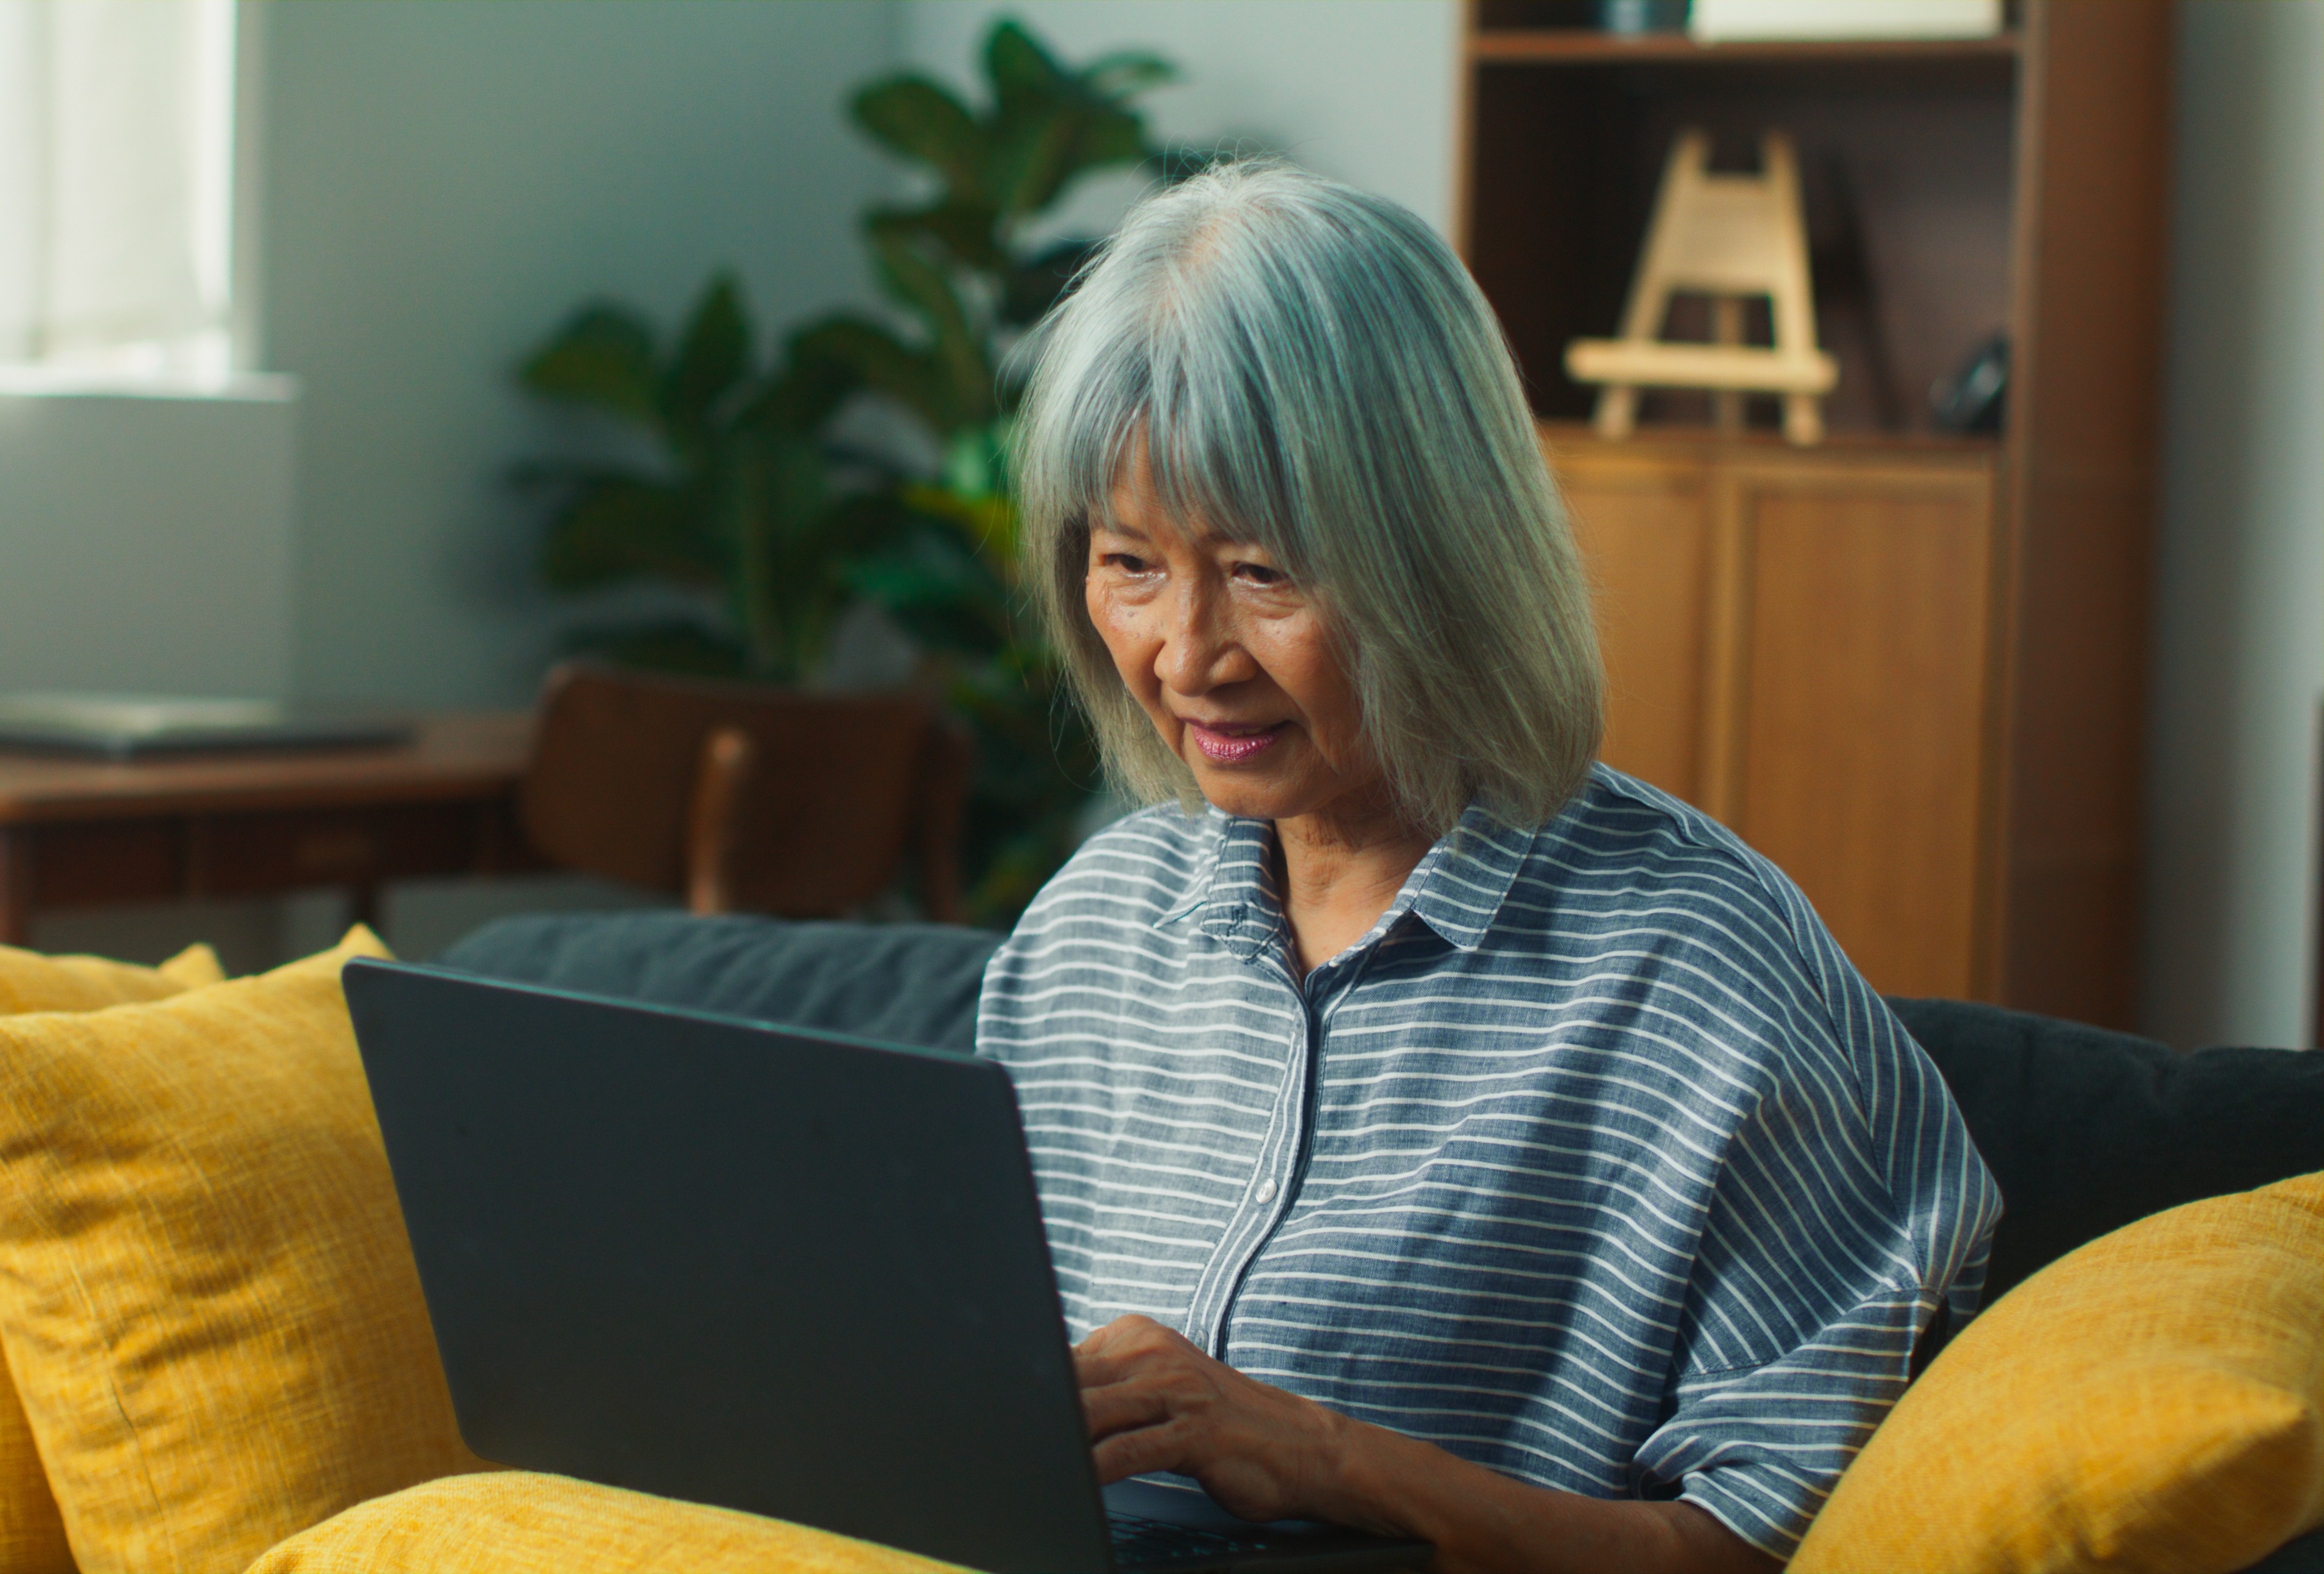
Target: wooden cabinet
1911,669
1797,641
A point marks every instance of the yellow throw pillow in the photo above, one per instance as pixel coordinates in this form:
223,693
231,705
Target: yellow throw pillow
32,1535
30,981
2153,1400
32,1531
520,1523
206,1291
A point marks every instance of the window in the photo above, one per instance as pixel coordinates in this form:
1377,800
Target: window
116,188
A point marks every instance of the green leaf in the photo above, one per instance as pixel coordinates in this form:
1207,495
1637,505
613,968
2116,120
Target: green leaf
603,357
914,117
802,396
626,529
1017,63
1111,137
970,230
712,356
959,349
1038,154
885,363
932,579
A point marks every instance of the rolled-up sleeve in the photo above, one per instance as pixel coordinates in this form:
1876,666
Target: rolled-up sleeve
1827,1254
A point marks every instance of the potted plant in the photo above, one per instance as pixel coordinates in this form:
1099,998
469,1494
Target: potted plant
741,493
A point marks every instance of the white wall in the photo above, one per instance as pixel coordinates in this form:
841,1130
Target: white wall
444,183
1361,90
2239,632
146,543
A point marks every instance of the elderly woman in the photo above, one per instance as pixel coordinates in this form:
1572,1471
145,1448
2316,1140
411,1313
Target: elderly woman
1437,1133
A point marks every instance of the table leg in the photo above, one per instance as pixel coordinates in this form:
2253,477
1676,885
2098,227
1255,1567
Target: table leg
16,885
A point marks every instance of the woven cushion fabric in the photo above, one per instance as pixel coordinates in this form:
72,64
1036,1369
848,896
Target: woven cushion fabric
2087,1130
2155,1400
520,1523
32,1533
902,983
206,1292
30,981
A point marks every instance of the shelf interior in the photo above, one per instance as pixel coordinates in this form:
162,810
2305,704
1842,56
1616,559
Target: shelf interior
1906,160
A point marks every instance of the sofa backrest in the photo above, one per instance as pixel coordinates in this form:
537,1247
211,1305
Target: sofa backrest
905,983
2086,1130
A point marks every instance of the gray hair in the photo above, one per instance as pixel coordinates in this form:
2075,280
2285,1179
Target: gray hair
1309,367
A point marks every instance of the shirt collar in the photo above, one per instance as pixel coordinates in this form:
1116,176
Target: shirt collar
1235,900
1460,884
1456,889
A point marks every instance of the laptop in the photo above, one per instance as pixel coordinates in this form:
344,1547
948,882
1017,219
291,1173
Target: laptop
770,1268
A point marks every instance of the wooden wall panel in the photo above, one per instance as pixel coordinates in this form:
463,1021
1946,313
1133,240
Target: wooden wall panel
1645,532
1863,700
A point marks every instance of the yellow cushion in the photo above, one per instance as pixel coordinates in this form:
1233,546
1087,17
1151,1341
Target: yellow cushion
30,981
32,1535
517,1521
206,1292
32,1531
2153,1400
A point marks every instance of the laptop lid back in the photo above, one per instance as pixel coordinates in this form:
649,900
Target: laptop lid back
770,1269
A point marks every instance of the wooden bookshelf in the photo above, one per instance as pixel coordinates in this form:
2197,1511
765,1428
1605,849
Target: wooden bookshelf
1576,46
1910,669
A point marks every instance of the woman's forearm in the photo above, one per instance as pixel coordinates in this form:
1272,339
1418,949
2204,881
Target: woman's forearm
1481,1520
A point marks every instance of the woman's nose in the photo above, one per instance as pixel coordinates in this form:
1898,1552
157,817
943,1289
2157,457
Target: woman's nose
1199,651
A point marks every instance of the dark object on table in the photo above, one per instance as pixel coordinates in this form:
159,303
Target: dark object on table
1632,17
1973,400
745,797
121,727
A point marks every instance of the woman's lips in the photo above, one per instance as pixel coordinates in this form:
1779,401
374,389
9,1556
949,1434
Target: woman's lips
1232,747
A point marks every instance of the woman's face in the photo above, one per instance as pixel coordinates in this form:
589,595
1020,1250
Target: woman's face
1231,660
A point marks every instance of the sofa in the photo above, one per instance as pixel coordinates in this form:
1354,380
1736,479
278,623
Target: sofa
220,1359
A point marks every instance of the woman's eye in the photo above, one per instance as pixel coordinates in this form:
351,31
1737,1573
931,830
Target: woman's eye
1128,563
1258,574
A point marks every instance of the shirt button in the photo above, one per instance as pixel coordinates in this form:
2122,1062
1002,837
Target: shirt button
1267,1190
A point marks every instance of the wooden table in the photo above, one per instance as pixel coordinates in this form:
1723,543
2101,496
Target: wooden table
77,832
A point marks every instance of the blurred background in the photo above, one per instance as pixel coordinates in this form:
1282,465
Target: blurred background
300,485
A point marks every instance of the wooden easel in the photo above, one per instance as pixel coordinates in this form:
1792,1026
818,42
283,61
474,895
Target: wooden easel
1729,237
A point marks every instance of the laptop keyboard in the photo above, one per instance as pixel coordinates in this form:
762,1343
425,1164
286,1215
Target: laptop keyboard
1138,1541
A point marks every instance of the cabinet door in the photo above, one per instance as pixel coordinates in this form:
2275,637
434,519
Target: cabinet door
1644,526
1861,697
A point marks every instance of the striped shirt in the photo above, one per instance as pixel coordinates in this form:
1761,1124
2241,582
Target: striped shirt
1594,1162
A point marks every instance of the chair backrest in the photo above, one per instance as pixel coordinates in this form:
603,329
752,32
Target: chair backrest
742,797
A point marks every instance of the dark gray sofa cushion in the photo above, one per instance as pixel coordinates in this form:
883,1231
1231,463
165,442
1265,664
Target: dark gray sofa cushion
2087,1130
904,983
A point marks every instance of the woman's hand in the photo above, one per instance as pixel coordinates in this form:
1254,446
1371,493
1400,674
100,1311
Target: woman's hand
1157,1403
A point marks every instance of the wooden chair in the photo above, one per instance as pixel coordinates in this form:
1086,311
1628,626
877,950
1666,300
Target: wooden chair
746,798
